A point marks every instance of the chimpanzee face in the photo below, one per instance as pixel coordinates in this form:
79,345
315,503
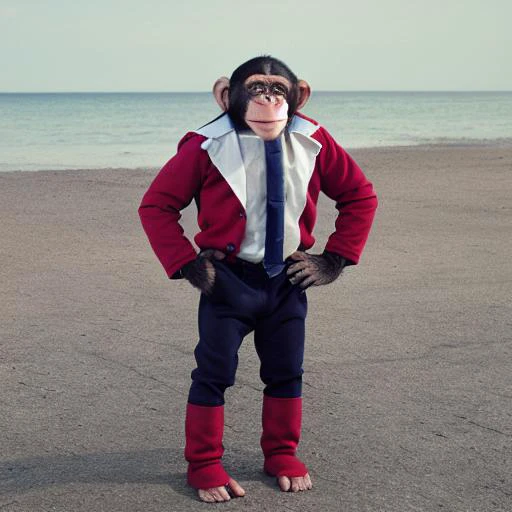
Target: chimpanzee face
267,106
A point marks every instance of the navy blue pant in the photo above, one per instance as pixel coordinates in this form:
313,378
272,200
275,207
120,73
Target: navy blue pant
245,299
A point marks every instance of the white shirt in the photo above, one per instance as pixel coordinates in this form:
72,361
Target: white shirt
252,149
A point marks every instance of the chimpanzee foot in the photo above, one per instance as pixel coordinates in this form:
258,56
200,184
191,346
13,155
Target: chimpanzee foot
295,484
218,494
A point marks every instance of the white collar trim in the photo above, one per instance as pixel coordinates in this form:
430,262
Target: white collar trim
217,128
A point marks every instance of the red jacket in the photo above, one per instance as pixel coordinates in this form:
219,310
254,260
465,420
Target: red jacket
209,169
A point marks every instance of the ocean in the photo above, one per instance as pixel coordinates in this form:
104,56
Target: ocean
54,131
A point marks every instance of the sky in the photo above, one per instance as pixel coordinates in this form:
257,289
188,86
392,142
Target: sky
157,45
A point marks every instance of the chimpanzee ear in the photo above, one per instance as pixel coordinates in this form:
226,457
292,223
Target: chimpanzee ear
304,93
220,91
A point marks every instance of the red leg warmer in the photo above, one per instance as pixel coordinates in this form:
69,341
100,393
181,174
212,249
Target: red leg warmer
281,433
204,427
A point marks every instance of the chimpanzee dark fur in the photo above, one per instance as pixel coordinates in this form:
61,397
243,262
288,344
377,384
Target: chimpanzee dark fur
328,267
199,275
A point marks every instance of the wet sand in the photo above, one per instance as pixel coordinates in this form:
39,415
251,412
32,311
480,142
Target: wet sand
408,387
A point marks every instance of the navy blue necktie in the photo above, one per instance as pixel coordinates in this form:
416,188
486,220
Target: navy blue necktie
274,238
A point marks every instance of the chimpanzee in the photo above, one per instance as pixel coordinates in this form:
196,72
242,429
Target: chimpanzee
255,173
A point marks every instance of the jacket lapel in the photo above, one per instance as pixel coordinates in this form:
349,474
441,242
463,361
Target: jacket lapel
300,159
224,152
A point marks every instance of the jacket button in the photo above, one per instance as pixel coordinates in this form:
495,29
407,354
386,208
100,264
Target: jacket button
230,248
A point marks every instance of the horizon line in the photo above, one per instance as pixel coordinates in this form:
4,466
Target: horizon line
314,91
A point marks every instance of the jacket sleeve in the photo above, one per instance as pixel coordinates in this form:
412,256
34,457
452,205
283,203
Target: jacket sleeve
170,192
343,181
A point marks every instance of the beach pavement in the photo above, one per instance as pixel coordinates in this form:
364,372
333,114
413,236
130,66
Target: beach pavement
408,365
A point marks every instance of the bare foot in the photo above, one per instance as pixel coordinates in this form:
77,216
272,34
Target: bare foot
295,484
217,494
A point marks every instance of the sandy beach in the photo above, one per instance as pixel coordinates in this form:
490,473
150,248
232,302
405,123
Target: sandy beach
408,386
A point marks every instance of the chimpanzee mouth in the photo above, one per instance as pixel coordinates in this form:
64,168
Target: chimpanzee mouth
266,122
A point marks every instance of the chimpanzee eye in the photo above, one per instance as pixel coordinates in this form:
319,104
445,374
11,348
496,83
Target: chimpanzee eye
256,88
279,90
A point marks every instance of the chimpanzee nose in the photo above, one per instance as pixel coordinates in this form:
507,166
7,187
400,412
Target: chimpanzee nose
270,98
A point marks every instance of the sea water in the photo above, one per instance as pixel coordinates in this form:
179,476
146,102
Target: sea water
132,130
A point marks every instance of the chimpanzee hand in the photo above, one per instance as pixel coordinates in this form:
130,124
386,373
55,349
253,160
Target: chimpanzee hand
315,269
200,273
